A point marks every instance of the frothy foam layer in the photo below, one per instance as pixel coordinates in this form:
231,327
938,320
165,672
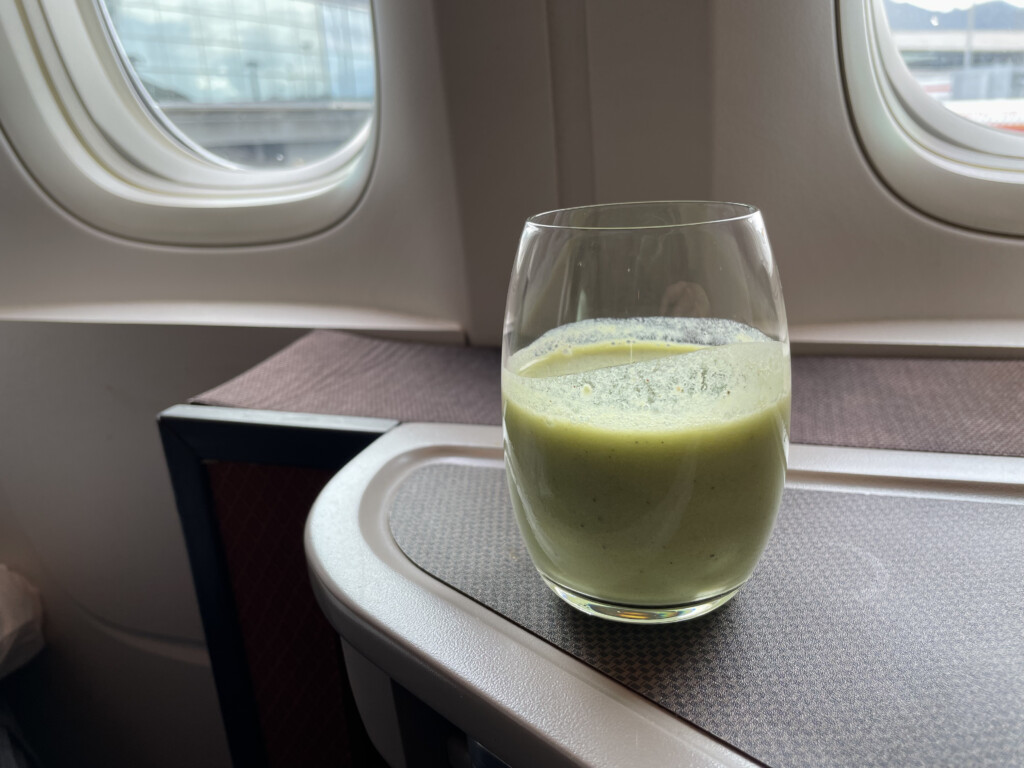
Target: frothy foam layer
642,374
699,331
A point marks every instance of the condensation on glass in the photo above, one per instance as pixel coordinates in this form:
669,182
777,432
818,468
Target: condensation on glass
256,83
968,56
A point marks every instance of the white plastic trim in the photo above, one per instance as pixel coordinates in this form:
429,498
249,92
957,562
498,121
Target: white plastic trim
942,131
940,163
913,338
528,701
86,136
246,314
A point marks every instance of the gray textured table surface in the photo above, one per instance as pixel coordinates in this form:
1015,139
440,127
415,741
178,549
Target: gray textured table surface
877,630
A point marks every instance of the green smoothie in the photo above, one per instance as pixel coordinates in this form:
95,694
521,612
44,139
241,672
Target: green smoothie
646,458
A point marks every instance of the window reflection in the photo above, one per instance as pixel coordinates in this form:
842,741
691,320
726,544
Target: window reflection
260,83
969,56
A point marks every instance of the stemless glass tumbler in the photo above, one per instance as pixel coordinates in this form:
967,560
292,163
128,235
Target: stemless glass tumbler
645,401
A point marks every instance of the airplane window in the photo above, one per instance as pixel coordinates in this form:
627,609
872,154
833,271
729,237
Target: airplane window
256,83
194,122
969,57
936,93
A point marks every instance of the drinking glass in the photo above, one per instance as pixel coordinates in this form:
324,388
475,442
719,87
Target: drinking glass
645,403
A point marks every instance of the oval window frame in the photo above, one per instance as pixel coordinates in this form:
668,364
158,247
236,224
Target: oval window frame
77,121
938,162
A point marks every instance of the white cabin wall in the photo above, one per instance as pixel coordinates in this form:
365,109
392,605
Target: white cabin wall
87,510
650,90
83,469
497,79
568,103
847,248
87,513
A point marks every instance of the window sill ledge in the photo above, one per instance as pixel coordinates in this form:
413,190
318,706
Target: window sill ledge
242,314
912,338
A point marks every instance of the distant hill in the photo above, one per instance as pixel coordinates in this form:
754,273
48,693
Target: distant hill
994,15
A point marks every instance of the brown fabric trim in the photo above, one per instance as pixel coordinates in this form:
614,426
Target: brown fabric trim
918,404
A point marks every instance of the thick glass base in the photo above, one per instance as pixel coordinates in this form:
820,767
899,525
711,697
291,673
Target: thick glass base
642,614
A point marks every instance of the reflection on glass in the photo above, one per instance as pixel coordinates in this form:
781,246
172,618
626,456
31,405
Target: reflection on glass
969,56
259,83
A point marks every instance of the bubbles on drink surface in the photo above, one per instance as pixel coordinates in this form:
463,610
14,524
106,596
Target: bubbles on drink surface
650,373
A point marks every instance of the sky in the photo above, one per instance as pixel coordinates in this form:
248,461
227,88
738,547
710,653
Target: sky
941,6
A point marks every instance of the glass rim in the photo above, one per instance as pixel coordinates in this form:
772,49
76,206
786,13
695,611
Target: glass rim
743,211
